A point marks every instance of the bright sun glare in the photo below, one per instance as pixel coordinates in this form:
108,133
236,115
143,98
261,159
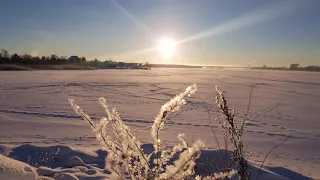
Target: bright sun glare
167,46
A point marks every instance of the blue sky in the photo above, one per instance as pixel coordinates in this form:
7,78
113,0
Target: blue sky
225,32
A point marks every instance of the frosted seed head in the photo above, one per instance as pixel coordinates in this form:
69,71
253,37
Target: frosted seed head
183,101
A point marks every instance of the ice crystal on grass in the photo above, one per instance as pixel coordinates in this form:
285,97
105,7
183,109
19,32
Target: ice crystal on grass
234,134
184,166
218,176
172,106
126,158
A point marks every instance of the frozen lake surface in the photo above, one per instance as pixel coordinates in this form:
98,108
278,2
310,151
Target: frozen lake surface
34,108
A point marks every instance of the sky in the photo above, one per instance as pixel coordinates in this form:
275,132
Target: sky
207,32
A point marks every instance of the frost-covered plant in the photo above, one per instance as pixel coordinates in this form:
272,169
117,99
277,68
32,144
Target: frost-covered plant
234,133
126,158
219,176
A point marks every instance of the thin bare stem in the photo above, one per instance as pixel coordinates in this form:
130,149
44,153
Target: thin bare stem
234,132
248,109
265,158
210,123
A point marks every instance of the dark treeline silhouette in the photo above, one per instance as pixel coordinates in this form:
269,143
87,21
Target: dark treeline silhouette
291,68
309,68
27,59
270,68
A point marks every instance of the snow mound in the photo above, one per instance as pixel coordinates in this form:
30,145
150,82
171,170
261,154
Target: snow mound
81,168
11,169
91,171
45,171
71,164
75,161
71,170
65,176
56,156
44,178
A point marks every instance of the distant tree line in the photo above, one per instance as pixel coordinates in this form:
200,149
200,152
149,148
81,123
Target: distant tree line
309,68
293,68
270,68
27,59
6,58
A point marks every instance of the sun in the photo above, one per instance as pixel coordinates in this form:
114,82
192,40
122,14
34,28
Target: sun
167,47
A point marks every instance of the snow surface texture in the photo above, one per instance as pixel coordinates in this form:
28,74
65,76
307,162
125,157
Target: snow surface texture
11,169
65,166
34,110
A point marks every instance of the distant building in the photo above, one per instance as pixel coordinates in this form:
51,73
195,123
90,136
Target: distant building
74,59
294,66
15,57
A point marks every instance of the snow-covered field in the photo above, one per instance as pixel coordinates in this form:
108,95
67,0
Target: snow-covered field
34,110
